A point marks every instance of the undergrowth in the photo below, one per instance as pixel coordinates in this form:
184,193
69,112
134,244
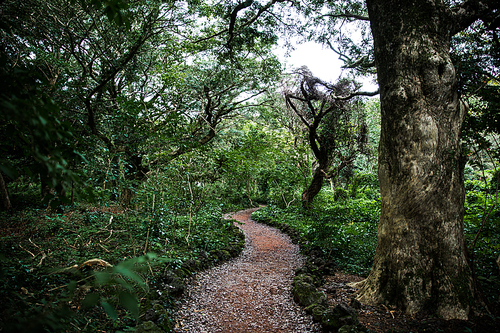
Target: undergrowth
342,229
50,282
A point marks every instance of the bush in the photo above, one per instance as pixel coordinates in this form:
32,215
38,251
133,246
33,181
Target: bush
343,231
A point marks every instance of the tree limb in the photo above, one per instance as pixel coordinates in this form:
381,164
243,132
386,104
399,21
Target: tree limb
233,16
289,103
354,94
468,12
348,15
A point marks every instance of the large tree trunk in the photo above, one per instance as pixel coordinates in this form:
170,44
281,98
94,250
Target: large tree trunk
420,261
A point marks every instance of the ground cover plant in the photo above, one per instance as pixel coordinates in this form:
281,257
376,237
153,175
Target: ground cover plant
95,267
342,226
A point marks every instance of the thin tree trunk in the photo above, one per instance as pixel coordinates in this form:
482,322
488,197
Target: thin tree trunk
4,194
420,261
137,174
313,189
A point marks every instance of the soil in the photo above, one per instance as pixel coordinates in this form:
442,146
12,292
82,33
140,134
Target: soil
382,319
252,293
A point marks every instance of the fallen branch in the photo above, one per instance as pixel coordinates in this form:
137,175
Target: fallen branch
41,260
71,246
93,262
105,249
65,285
27,251
29,239
88,263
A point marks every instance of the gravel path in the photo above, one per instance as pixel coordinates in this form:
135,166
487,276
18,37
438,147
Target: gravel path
251,293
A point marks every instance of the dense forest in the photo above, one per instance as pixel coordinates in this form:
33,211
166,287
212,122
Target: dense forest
130,129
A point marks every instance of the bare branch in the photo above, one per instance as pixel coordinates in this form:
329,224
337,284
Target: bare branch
299,114
348,15
354,94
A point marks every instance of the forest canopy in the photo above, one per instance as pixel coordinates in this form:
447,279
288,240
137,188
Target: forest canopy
129,128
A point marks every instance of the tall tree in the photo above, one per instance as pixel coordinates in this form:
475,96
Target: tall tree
420,261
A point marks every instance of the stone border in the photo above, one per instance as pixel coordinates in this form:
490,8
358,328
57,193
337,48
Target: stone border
341,318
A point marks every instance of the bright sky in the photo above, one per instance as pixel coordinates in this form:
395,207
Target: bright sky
322,62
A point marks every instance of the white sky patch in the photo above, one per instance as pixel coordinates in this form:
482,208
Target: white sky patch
322,62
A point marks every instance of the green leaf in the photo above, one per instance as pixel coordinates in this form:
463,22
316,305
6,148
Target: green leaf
110,310
102,277
126,271
124,283
129,302
90,300
8,169
43,121
72,286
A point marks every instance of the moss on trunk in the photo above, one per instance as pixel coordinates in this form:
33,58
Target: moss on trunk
420,261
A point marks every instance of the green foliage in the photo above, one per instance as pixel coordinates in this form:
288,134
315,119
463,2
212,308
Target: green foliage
51,264
166,112
344,231
34,139
115,10
482,224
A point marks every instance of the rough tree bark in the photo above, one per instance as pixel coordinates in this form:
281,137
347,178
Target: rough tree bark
420,261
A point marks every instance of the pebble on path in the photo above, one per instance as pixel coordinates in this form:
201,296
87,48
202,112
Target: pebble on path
251,293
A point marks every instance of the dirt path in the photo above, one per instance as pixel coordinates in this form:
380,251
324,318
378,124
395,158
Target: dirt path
250,293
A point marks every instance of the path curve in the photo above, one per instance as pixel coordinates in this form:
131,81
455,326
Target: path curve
251,293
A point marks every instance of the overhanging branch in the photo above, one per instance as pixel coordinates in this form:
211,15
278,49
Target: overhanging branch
468,12
354,94
348,15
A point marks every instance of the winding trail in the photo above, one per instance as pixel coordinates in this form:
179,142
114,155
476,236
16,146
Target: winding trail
251,293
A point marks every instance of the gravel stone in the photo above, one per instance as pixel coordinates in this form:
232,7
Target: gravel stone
251,293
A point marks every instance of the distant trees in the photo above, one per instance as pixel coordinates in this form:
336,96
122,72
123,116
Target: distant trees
334,123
